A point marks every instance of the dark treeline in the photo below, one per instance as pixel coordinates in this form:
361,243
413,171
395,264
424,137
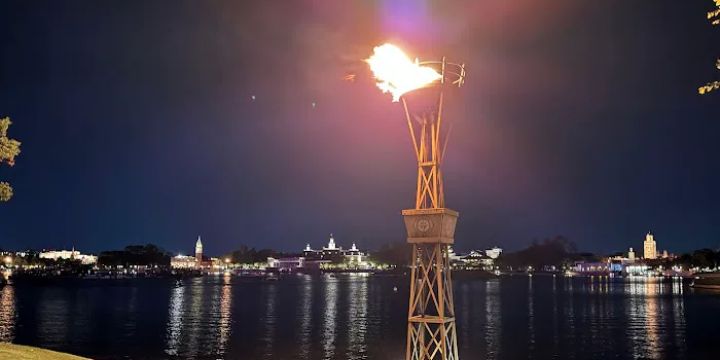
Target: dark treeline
703,258
396,253
148,255
249,255
556,251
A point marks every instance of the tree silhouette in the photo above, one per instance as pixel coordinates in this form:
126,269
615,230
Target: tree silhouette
714,18
9,149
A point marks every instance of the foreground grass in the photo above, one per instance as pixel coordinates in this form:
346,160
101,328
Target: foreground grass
21,352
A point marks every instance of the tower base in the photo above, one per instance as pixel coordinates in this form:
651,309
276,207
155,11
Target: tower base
432,334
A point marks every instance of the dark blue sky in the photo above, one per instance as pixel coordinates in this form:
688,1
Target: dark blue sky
579,118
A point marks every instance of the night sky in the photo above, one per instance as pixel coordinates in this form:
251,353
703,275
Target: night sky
158,121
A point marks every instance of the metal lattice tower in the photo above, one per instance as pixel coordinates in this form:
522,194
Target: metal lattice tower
432,333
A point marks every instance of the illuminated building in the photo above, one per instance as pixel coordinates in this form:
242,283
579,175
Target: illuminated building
183,262
199,251
354,256
494,252
592,268
334,253
286,264
650,247
631,254
69,255
476,259
197,261
330,257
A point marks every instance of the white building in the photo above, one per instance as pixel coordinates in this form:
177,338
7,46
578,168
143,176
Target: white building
286,264
494,252
650,247
69,255
183,262
189,262
332,253
631,254
198,250
354,255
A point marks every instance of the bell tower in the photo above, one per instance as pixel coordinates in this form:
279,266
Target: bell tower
198,251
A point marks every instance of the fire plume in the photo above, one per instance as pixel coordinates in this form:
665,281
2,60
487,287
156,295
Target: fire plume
397,73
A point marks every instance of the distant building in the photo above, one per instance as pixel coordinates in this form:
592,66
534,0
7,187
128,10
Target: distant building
650,247
494,252
183,262
329,257
476,259
286,264
197,261
454,257
69,255
631,254
354,256
335,253
593,268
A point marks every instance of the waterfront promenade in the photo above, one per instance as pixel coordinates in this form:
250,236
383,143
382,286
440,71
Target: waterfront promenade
21,352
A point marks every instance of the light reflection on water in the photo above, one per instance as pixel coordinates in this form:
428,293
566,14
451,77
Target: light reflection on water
652,320
354,317
493,315
54,316
358,317
270,320
225,320
531,316
7,314
175,324
305,315
329,318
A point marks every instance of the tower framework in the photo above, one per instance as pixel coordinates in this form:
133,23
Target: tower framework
431,329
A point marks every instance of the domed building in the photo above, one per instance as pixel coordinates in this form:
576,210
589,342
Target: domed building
334,253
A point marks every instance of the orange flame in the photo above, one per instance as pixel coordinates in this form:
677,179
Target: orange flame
396,73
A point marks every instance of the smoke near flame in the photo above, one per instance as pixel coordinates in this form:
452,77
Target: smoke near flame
396,73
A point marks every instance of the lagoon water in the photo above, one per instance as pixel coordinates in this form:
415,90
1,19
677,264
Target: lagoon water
357,316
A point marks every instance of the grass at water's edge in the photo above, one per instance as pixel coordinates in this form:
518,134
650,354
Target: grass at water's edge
22,352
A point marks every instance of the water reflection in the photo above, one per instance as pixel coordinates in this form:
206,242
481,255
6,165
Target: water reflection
270,320
356,317
555,321
225,315
650,320
54,317
357,309
305,315
130,320
531,316
568,312
678,316
174,326
193,319
199,318
7,314
330,315
493,318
